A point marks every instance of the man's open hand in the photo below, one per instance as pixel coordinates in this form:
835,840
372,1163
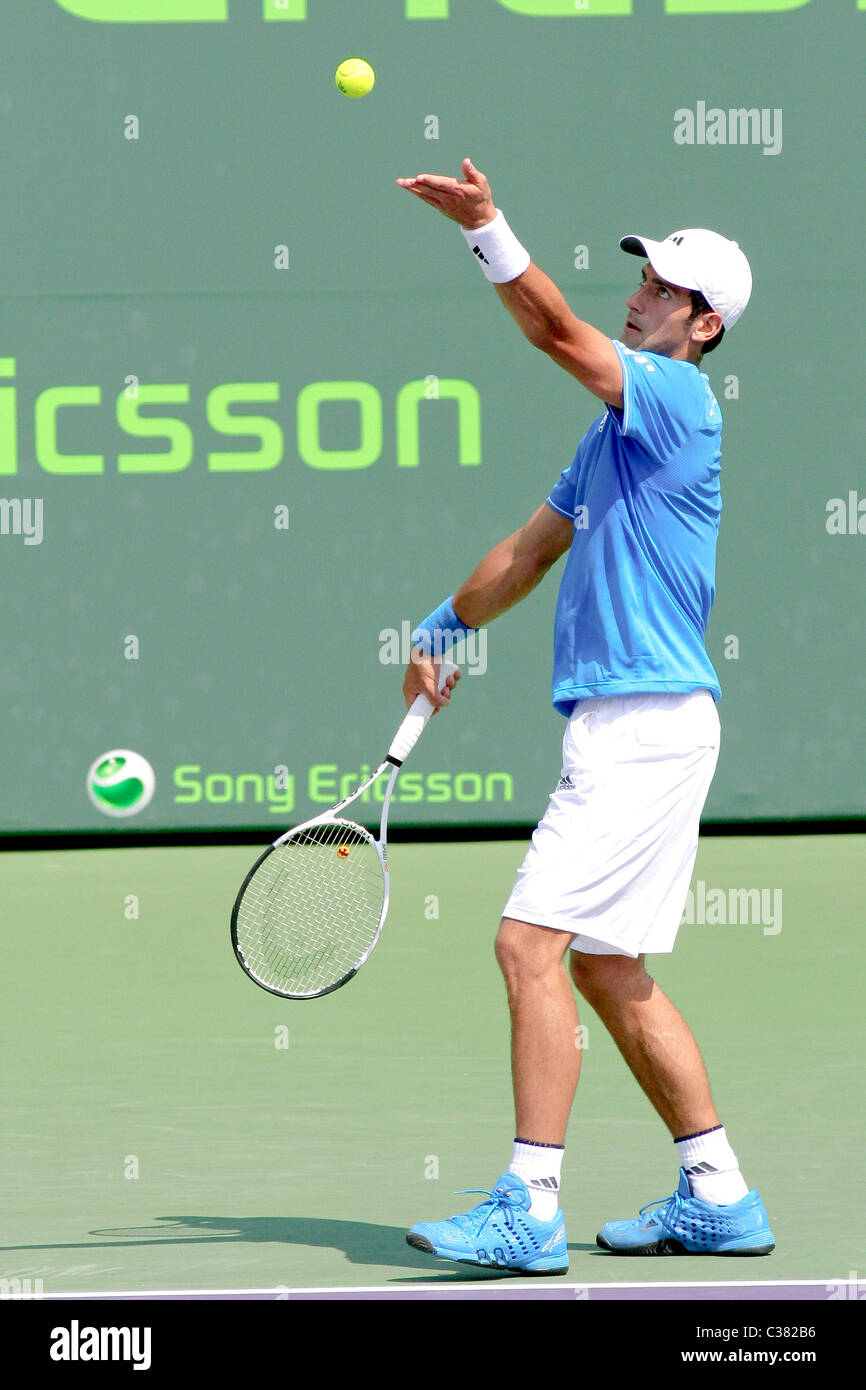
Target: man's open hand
467,201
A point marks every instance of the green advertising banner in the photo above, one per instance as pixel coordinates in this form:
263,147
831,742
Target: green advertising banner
260,412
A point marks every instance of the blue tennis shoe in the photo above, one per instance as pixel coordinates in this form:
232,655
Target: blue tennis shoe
684,1225
499,1233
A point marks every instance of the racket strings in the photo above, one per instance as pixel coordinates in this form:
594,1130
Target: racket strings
311,911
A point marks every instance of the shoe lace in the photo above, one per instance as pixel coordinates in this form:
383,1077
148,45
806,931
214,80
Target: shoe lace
506,1202
666,1210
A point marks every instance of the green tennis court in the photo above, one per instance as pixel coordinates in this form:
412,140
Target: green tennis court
169,1126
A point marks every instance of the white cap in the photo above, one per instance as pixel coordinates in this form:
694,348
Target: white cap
696,259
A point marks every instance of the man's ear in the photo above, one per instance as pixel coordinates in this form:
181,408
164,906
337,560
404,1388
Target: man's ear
706,326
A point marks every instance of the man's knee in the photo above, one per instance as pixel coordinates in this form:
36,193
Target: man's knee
512,946
601,979
524,950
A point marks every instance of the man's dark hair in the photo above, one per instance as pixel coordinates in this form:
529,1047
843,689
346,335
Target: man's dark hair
700,306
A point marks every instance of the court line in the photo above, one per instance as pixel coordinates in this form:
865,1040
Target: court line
286,1292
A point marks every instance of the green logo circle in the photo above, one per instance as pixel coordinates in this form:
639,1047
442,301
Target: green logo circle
121,783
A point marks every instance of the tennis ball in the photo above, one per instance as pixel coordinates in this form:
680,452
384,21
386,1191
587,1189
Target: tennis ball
121,783
354,77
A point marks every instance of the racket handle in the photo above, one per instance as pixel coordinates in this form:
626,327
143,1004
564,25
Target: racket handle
413,725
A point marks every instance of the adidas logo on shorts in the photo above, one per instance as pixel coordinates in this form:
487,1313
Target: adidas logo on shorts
565,784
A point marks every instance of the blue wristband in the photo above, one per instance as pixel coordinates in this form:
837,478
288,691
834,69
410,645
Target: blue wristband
438,633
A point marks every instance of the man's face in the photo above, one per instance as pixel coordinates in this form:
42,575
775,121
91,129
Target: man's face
658,317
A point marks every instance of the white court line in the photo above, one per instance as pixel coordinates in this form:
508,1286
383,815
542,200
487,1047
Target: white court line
283,1289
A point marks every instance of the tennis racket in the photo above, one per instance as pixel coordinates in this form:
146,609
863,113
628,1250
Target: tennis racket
312,907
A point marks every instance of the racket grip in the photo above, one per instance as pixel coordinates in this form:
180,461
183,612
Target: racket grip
413,725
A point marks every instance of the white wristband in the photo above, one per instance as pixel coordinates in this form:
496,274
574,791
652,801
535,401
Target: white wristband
500,254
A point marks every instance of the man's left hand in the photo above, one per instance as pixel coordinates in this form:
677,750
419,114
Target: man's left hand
467,201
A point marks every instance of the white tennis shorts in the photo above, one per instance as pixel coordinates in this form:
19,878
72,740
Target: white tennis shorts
612,859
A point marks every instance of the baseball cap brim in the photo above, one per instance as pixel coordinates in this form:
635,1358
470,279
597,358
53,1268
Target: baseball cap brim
663,258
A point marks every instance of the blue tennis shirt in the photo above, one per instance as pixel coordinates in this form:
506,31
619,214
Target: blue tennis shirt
639,582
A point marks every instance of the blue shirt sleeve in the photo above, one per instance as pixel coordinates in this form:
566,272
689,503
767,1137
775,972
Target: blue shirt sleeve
561,497
664,401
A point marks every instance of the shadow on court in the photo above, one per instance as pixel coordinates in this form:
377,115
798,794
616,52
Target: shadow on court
363,1243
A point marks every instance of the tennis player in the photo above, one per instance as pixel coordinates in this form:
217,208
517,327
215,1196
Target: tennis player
609,867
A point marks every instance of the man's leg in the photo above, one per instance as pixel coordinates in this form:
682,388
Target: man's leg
713,1211
652,1036
521,1227
545,1056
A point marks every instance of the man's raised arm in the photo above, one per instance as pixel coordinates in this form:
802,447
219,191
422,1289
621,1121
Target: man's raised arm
530,296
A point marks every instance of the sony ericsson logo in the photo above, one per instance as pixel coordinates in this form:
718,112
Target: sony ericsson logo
121,783
181,414
296,11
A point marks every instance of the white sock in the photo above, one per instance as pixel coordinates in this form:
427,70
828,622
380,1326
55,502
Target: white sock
711,1167
540,1166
